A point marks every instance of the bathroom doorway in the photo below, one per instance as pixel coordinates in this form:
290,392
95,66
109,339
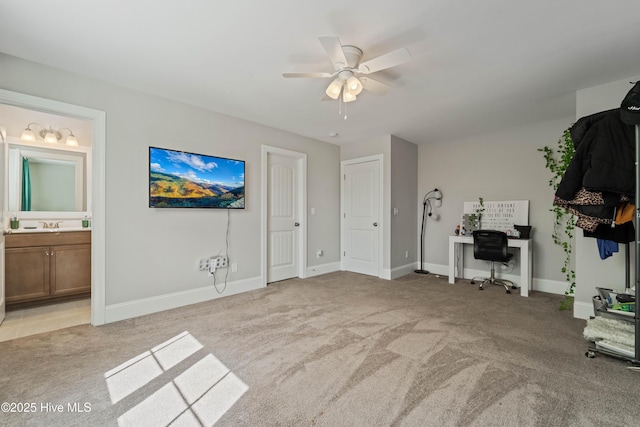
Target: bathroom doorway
88,126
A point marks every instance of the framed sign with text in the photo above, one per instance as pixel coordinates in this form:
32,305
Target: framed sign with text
500,215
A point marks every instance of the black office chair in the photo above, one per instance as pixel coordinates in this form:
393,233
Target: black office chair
491,245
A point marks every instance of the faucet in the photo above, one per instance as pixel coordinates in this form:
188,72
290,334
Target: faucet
51,224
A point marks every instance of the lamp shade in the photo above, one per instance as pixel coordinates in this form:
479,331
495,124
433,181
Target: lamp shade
50,138
333,91
348,96
28,135
71,141
438,202
354,86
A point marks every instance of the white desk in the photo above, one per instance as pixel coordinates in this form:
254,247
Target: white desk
455,246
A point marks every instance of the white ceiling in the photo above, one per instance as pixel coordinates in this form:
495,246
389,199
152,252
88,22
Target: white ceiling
476,66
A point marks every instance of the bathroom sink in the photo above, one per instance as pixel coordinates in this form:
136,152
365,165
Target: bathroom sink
46,230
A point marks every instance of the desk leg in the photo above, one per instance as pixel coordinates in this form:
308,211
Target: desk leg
453,247
525,270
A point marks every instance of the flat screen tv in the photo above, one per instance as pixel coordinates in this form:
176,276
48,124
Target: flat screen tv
178,179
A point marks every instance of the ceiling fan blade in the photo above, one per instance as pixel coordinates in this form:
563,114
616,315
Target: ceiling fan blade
387,60
374,86
333,47
312,75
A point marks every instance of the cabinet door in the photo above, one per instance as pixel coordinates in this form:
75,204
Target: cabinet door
70,269
26,273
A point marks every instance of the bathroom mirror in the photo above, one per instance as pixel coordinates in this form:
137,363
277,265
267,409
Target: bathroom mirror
46,181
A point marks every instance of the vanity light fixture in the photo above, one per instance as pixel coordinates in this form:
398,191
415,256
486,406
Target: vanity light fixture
50,136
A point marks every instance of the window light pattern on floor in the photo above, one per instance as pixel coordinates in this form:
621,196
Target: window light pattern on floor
198,396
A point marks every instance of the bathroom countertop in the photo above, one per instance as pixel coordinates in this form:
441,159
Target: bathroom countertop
44,230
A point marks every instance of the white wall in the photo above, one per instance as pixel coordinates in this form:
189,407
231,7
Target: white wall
152,253
591,271
504,165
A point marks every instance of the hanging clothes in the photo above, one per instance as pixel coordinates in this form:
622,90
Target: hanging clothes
625,213
606,248
601,174
603,160
591,207
623,233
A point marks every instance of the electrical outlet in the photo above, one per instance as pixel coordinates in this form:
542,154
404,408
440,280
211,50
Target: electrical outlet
220,261
508,265
406,254
204,264
211,264
234,267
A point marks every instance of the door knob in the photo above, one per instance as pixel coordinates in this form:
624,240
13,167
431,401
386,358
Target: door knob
297,224
375,224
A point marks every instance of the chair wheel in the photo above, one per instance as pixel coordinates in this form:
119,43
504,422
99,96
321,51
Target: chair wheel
473,283
590,354
508,291
514,287
481,289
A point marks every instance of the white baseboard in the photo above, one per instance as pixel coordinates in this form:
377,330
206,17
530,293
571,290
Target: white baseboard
317,270
437,269
144,306
557,287
541,285
403,270
582,310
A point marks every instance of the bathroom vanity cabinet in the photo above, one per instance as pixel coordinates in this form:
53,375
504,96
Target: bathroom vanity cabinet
47,266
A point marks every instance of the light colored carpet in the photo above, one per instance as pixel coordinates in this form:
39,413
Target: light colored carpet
340,349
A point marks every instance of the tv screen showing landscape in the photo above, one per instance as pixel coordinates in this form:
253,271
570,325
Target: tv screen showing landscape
178,179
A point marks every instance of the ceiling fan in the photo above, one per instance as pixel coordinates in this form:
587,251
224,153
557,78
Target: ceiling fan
350,74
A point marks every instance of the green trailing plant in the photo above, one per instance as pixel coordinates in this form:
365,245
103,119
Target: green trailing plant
564,223
476,217
480,209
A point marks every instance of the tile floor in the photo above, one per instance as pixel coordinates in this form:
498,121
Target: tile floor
35,320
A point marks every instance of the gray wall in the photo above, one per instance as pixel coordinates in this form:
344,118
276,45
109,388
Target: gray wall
404,188
499,166
153,252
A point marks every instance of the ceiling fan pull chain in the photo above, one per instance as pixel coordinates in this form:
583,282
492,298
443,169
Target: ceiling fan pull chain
345,111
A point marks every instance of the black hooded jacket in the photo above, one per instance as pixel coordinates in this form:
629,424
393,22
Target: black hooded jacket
604,159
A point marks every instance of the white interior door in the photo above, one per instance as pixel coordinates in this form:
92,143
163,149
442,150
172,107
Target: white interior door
282,222
361,217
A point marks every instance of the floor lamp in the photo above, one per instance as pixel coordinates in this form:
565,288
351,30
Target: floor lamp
436,196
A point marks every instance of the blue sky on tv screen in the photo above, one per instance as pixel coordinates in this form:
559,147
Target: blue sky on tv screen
198,167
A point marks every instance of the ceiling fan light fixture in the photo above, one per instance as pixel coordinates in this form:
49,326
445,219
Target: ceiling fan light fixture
333,91
348,96
354,86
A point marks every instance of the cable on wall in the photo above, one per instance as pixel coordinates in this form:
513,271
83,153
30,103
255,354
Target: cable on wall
226,254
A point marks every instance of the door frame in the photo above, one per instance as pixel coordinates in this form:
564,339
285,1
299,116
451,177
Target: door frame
343,230
301,181
97,179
